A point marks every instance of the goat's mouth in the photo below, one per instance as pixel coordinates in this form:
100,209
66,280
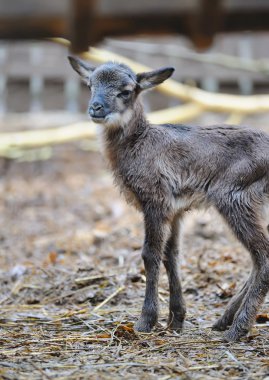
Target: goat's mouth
111,119
98,119
105,119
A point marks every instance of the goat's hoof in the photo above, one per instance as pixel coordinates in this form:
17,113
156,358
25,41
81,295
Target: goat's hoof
143,325
175,325
220,325
233,335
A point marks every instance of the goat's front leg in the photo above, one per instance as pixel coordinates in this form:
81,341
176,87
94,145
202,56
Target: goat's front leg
177,308
156,230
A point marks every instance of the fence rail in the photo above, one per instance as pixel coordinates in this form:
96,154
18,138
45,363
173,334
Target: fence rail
36,77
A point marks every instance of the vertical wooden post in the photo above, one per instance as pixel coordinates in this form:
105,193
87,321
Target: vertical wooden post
72,91
245,83
3,80
206,22
82,28
36,80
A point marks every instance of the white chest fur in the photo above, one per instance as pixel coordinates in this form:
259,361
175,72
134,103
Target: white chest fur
186,202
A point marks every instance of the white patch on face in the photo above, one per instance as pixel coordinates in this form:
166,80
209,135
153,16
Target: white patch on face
117,119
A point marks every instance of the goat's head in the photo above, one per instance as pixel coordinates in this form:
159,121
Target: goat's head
114,89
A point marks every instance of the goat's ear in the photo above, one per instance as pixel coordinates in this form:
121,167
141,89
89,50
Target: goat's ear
82,68
153,78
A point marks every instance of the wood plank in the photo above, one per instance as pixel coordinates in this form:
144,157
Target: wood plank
83,29
34,8
32,28
87,24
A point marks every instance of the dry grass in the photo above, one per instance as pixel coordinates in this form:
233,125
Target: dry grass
72,283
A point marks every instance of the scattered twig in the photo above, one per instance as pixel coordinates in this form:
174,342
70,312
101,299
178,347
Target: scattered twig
91,279
44,375
231,356
120,289
179,369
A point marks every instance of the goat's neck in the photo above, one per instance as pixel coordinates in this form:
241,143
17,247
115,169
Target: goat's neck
136,125
117,138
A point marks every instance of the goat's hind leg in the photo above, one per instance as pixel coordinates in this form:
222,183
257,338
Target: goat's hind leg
246,314
243,219
227,318
177,309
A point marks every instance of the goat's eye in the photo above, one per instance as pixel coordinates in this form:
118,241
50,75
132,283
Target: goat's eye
124,94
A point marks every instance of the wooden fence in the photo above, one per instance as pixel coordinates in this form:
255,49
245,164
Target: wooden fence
36,77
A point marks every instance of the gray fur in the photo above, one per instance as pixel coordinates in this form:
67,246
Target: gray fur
165,170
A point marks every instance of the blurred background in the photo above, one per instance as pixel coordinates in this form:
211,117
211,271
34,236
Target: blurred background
219,46
54,182
70,265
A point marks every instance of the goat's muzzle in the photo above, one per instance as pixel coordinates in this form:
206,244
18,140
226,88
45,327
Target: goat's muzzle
97,111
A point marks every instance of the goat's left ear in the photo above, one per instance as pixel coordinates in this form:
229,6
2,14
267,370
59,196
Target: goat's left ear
153,78
84,69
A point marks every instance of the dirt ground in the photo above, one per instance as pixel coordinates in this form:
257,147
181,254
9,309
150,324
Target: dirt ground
72,283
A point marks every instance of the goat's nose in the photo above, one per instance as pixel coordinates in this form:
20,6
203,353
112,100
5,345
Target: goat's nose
96,106
96,109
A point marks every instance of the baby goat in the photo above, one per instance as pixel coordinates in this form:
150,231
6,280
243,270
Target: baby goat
165,170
